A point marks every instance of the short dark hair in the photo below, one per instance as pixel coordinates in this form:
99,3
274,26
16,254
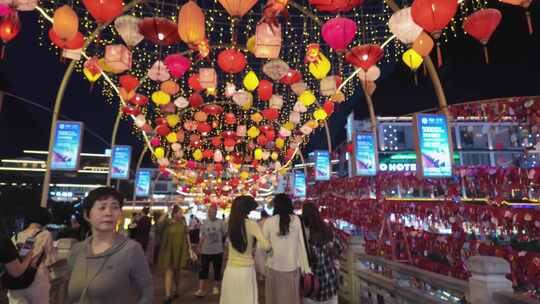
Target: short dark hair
146,210
101,193
38,215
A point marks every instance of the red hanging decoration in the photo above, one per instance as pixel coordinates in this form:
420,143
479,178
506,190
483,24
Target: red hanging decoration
10,27
104,11
160,31
364,56
481,26
231,61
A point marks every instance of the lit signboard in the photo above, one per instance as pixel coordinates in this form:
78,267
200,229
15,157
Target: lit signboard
120,161
433,147
67,145
142,183
365,154
322,165
299,184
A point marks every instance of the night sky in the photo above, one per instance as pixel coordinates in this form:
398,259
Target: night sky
34,73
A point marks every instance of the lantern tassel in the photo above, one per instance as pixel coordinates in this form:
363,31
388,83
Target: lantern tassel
415,78
439,55
529,22
2,52
486,54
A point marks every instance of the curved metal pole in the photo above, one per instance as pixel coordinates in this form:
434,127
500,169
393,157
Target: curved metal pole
141,157
58,103
303,163
113,142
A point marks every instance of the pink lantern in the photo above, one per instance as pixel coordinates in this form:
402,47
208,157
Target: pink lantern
177,65
5,10
208,78
118,58
159,72
339,32
25,5
267,41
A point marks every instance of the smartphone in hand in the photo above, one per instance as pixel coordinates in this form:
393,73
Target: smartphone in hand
27,247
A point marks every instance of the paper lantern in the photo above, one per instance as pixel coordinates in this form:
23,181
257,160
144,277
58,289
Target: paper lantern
265,90
208,78
291,77
129,82
231,61
170,87
180,135
300,107
402,25
172,120
320,69
243,98
104,11
139,100
213,109
335,6
339,32
307,98
181,102
328,107
329,85
163,130
270,114
244,175
168,108
91,69
160,31
194,83
177,65
253,132
257,154
161,98
280,143
433,15
364,56
128,28
65,23
158,72
295,117
118,57
481,26
229,118
299,88
267,40
251,81
9,27
25,5
204,127
159,152
195,100
229,142
130,110
423,44
200,116
5,10
171,138
276,69
256,117
372,74
412,59
74,44
191,24
237,8
197,154
320,114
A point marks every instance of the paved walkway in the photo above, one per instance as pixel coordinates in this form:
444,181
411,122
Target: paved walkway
188,285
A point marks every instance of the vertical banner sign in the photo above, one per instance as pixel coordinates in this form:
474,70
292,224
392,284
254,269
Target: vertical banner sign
322,165
120,161
365,154
67,145
299,184
433,146
142,182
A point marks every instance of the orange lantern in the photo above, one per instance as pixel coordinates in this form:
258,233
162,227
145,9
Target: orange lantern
267,40
207,78
118,58
237,8
65,23
170,87
423,45
191,25
104,11
200,116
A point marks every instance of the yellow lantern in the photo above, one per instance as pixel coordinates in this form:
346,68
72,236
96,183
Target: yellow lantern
258,154
320,114
197,154
412,59
280,143
253,132
247,105
172,120
307,98
320,68
288,125
274,155
105,67
171,137
251,81
161,98
312,124
91,76
257,117
250,45
244,175
159,152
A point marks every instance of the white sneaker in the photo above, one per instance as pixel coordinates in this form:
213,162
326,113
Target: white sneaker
215,291
199,293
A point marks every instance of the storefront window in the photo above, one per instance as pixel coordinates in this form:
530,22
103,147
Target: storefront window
507,159
475,158
506,137
397,137
474,137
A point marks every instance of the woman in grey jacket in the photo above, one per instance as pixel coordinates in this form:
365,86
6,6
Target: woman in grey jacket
107,267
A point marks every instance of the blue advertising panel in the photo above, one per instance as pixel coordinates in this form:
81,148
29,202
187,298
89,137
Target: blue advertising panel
142,182
299,184
67,145
365,155
433,146
120,161
322,165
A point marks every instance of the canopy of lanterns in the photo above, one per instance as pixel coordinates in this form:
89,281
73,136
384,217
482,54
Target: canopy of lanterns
225,92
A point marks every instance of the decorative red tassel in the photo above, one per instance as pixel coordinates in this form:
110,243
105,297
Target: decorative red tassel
529,22
439,55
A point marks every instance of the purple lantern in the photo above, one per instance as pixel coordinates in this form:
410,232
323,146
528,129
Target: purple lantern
339,32
177,65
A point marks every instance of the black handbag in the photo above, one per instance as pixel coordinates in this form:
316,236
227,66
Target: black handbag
24,280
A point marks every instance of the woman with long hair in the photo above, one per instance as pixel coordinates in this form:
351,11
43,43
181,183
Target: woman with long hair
175,250
288,257
239,281
325,248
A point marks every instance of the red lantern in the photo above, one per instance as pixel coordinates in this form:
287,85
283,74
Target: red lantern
230,118
433,15
231,61
292,77
328,107
204,127
364,56
163,130
208,154
339,32
131,110
213,109
104,11
195,100
177,65
216,141
229,142
270,114
194,83
74,44
270,135
159,30
139,100
129,82
265,90
161,121
262,140
335,6
481,26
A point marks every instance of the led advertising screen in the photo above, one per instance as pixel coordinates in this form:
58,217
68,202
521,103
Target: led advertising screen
120,161
365,154
142,183
322,165
433,146
67,145
299,184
